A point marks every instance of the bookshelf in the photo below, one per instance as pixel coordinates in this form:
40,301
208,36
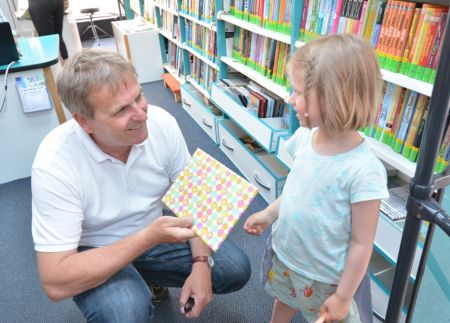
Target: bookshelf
268,168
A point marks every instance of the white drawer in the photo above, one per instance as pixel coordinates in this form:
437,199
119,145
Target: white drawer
262,168
283,155
193,103
265,131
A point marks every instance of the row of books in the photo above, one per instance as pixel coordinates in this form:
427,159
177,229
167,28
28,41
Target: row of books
263,54
201,39
410,38
149,11
170,24
171,4
199,9
202,73
406,35
175,58
400,120
271,14
253,97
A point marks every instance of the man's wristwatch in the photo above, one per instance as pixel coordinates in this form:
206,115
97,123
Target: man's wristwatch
206,259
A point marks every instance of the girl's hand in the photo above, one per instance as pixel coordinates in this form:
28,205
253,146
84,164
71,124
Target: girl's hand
258,222
335,308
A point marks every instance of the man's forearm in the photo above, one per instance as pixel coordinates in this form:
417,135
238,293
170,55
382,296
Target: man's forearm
74,273
199,248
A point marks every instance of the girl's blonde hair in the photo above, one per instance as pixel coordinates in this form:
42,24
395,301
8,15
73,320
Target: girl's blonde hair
344,71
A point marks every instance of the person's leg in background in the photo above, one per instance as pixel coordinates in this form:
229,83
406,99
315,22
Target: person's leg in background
47,17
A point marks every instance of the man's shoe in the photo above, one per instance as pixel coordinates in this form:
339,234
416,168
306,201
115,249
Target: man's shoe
158,292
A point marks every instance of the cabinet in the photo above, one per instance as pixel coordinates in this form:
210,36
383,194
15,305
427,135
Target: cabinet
133,39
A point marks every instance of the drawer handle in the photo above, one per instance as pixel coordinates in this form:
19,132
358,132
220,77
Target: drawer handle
206,124
258,181
224,143
186,103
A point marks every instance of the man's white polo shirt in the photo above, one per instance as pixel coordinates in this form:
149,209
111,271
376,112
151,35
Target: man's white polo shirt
84,197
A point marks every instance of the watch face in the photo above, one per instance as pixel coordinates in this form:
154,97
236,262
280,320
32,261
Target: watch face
210,261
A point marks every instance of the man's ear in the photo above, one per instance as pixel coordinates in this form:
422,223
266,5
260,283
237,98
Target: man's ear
83,122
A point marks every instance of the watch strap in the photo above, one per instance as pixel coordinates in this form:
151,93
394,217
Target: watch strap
200,259
204,259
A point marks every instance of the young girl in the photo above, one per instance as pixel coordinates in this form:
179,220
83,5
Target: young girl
327,215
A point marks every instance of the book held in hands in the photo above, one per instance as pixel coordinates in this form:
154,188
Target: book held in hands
213,195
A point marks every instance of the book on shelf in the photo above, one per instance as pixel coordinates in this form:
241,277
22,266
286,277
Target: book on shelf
211,194
394,114
417,140
406,120
390,87
394,206
419,111
412,30
252,145
403,102
429,74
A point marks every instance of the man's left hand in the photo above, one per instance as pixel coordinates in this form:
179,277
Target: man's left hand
198,286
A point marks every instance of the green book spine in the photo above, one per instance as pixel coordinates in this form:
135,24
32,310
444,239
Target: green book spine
406,151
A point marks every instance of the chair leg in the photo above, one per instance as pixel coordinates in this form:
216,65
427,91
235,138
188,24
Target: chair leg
104,32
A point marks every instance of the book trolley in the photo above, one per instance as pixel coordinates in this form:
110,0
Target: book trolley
208,45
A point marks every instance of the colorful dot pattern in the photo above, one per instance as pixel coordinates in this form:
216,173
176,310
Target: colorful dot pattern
213,195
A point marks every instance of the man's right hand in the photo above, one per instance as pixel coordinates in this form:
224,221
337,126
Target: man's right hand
170,229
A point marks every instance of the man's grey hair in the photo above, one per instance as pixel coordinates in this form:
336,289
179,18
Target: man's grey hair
88,71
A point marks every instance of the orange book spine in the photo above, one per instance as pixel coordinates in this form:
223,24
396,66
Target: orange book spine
410,9
380,47
402,10
407,50
395,17
417,33
431,32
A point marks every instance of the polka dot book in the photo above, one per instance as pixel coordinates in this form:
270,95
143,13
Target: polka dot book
213,195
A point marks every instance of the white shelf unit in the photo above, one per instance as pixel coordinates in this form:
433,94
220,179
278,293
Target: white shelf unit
257,77
165,8
193,103
198,87
169,37
209,25
174,73
200,56
130,37
265,131
407,82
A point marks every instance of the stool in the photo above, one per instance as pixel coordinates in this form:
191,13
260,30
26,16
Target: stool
92,26
173,85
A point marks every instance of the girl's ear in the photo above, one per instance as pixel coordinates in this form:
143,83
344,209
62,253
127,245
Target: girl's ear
83,122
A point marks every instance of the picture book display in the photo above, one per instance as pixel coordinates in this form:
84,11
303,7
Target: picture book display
213,195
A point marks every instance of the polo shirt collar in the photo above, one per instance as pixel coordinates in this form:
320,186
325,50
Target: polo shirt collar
96,153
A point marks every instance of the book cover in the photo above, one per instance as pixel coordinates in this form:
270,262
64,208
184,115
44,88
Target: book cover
412,30
213,195
432,63
409,69
422,102
404,125
415,147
